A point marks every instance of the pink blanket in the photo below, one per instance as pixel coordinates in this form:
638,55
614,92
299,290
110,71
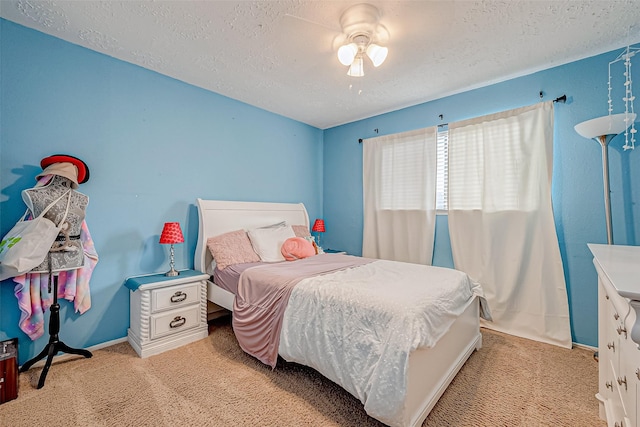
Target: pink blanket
263,295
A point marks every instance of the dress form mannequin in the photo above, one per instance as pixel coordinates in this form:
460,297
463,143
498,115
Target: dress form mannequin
66,253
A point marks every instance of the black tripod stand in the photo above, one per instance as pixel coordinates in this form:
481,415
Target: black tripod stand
55,345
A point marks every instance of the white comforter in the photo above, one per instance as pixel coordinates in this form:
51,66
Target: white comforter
357,326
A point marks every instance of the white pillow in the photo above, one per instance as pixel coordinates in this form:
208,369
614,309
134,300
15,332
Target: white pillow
280,224
267,242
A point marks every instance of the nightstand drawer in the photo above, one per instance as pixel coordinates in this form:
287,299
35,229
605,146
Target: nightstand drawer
174,321
174,296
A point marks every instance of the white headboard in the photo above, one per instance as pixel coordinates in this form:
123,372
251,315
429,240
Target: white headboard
217,217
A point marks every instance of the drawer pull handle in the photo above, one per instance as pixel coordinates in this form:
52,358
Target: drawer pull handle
177,322
616,316
623,381
178,297
609,384
618,424
612,346
621,329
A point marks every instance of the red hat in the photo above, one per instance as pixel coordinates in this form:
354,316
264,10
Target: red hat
83,169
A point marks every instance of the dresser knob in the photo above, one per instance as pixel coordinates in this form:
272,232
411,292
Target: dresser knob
623,381
611,346
177,322
638,373
621,329
609,385
178,296
618,424
616,316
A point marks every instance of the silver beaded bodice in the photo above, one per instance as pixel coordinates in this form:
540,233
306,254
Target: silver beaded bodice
66,252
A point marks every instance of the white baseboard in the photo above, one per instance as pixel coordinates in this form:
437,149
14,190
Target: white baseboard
585,347
66,356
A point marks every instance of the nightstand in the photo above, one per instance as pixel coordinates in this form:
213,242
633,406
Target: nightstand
334,251
166,312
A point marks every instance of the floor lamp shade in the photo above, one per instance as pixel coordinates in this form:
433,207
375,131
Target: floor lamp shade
611,125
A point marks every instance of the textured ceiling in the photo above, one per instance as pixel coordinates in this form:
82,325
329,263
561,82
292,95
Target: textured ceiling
281,55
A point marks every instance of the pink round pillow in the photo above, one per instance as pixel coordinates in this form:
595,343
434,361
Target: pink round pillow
297,248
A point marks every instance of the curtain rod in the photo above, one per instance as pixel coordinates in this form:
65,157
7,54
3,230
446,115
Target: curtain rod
561,98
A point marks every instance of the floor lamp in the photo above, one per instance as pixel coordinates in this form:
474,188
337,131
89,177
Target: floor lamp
604,129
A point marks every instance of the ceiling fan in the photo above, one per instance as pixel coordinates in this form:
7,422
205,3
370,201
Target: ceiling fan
361,35
365,35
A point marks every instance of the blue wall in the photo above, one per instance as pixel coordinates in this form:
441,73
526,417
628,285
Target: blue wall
153,145
577,175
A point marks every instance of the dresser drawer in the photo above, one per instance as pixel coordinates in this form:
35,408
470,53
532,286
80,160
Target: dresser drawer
174,321
175,296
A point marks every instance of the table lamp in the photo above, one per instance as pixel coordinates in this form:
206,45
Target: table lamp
171,234
318,227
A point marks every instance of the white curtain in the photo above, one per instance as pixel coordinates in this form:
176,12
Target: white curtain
399,182
501,220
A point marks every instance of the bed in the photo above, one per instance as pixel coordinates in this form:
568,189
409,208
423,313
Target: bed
428,369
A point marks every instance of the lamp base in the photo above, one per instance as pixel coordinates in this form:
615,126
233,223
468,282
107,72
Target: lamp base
172,273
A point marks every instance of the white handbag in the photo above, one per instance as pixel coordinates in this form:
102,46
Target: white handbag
26,245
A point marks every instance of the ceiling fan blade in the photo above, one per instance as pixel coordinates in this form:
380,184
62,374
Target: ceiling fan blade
309,21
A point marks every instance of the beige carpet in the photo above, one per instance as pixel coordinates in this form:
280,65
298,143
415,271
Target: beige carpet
509,382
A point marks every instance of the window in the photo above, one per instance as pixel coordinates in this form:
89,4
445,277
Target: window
491,171
403,174
442,170
403,178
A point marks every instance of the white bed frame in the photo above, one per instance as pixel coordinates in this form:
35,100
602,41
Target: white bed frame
430,371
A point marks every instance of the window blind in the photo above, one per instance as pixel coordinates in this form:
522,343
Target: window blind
442,169
403,177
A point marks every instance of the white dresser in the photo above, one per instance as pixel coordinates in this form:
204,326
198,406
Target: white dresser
618,270
167,312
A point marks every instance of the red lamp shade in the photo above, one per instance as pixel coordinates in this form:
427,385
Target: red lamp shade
318,226
171,233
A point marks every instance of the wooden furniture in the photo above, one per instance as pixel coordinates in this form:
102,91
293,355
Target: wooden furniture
8,370
618,270
218,217
335,251
430,370
167,312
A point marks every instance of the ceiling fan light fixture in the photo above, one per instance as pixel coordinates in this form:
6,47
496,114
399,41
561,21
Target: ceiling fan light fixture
377,54
356,69
347,53
362,35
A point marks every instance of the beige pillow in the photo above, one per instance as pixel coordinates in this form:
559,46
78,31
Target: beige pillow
301,230
230,248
